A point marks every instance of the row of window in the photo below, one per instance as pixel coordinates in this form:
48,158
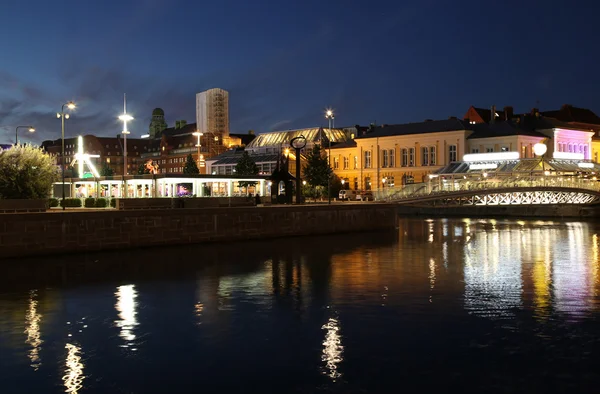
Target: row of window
407,157
573,148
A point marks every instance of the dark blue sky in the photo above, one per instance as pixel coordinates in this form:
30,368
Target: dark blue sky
284,62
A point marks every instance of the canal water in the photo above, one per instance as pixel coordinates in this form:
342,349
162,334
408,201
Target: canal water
473,305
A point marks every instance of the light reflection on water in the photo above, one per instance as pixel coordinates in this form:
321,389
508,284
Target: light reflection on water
126,306
32,329
360,311
73,377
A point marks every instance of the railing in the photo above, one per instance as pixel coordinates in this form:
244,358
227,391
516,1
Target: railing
443,186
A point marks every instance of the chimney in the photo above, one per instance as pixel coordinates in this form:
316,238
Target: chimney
493,114
508,112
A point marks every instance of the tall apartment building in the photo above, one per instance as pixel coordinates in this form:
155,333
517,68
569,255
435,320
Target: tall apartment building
212,118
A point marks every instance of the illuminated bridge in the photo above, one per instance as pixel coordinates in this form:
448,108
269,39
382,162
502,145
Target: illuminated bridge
557,182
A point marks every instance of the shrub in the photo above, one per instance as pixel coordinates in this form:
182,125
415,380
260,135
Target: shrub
113,202
101,203
70,203
26,173
90,202
53,202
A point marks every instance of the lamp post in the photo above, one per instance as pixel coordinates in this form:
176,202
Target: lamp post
125,118
329,115
298,143
31,130
63,116
198,145
540,149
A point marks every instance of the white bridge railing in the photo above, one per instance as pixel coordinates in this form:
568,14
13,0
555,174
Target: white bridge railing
440,185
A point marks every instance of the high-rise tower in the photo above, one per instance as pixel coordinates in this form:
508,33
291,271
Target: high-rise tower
212,118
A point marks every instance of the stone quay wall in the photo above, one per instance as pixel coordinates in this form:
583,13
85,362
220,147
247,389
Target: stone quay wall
41,234
514,211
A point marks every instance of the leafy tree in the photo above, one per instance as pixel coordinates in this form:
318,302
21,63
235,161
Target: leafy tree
107,171
317,170
247,167
190,167
26,173
143,170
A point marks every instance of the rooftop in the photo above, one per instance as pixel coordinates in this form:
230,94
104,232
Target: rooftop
432,126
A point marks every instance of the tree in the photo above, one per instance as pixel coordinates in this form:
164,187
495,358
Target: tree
190,167
143,170
317,170
247,167
26,173
107,171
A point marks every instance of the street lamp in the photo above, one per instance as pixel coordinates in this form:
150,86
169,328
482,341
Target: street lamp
31,130
63,116
540,149
298,144
125,118
329,115
198,145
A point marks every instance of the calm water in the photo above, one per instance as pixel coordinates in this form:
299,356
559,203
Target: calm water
471,305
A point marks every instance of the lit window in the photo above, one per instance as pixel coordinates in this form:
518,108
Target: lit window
336,163
404,157
346,162
355,162
367,163
392,158
385,162
411,157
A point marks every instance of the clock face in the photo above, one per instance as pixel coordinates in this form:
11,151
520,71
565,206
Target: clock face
298,142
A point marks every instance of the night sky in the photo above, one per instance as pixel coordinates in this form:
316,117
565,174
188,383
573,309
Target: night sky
284,62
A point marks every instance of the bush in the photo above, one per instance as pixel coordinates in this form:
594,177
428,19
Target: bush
70,203
113,202
101,203
53,202
90,202
27,173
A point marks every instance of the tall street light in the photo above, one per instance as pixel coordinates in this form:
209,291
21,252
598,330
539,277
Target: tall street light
125,118
31,130
63,116
329,115
198,145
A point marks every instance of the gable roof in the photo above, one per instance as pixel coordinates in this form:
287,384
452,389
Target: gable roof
433,126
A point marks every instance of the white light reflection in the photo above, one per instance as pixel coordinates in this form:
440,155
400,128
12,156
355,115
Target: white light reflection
431,277
32,329
73,378
126,305
332,349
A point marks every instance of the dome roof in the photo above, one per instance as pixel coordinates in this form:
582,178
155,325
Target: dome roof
158,112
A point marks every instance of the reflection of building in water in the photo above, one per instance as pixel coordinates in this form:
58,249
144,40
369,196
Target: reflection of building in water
543,263
73,378
493,272
126,305
32,329
572,276
332,349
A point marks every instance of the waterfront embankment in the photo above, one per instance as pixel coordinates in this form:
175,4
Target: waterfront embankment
40,234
